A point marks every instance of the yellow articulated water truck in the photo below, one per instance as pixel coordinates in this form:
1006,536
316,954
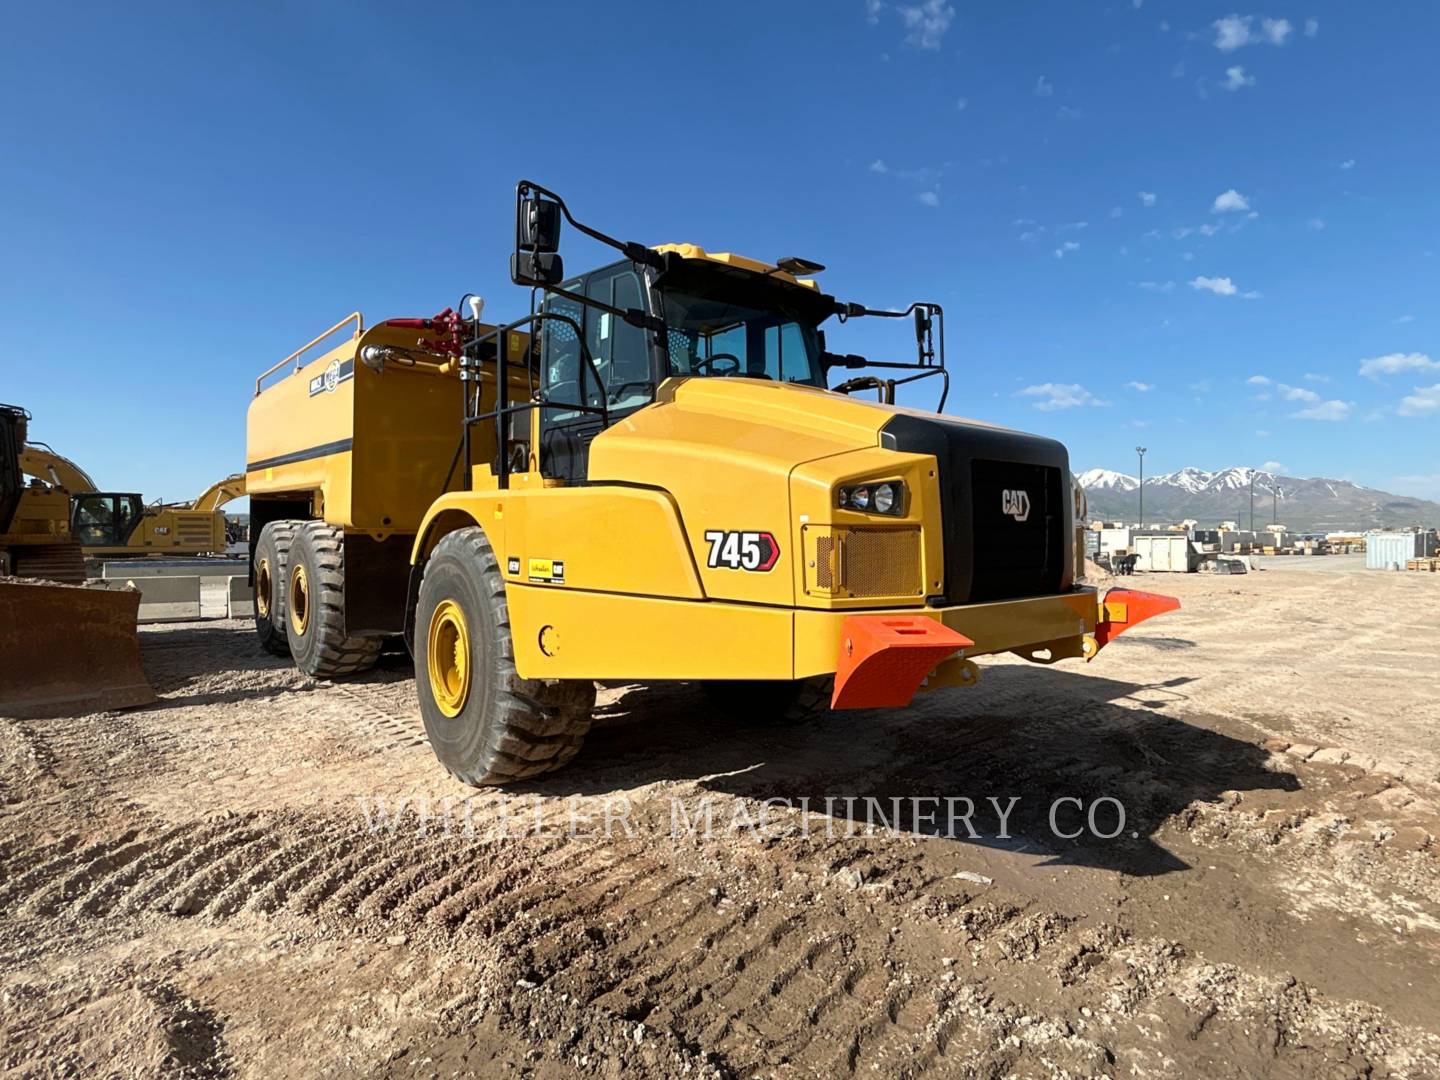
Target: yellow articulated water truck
649,477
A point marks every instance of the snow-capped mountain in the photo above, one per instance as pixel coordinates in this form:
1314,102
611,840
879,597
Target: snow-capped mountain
1307,505
1107,480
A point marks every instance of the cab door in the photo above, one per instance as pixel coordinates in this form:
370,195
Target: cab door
622,358
105,519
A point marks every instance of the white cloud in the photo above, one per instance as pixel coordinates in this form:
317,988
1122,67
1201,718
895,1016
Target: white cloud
1054,396
1317,224
928,198
1220,286
1262,434
1347,164
926,23
1313,377
1231,32
1044,87
1235,31
1235,78
1403,319
1066,112
1275,467
1253,294
962,105
1147,198
1157,286
879,166
1076,225
1275,31
1029,237
1143,387
1297,393
872,11
1258,380
1182,232
1395,363
1312,27
1117,212
1425,401
1067,247
1326,410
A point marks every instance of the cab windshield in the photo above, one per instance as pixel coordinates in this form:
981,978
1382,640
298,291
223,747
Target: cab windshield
720,329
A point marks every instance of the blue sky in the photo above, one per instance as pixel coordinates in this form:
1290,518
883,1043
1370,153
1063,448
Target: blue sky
1133,213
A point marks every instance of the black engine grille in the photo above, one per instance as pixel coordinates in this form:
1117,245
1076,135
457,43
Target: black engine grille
1004,507
1018,530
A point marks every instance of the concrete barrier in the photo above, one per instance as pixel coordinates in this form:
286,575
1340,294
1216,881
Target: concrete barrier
167,599
240,599
135,569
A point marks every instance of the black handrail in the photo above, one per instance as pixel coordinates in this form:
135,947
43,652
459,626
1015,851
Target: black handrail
503,409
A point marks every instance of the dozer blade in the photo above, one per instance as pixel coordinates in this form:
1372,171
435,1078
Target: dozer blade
67,650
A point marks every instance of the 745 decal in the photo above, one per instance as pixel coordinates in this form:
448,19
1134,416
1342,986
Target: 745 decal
732,550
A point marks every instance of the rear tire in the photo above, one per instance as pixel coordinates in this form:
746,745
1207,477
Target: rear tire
768,701
315,606
486,724
272,553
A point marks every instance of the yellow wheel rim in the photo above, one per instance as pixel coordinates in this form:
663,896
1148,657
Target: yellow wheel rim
299,599
262,588
447,658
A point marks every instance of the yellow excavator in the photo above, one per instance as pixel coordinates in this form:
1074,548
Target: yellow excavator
650,476
64,649
110,524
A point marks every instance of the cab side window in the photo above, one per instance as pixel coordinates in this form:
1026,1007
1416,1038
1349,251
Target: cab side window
622,359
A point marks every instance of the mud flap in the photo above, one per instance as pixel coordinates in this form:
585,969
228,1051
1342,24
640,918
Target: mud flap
66,650
883,659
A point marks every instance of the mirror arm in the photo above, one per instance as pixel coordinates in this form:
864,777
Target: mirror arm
638,253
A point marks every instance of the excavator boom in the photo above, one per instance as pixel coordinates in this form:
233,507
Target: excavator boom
220,493
37,459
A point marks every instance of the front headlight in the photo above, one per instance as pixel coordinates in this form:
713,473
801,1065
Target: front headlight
886,497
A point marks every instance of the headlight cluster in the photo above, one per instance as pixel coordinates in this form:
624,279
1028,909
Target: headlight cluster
886,497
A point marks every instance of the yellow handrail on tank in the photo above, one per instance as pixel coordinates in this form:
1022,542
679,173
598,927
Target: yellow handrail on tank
355,317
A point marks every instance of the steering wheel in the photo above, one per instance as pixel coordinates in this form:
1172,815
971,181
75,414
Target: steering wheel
702,367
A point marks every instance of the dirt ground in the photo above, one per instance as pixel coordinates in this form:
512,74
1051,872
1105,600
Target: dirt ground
263,875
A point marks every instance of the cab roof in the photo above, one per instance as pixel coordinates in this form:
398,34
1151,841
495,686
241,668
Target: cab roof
739,262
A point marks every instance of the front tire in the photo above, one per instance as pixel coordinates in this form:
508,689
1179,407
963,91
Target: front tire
272,552
486,724
315,606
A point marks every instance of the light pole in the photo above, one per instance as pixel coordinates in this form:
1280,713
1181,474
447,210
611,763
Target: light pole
1252,506
1141,451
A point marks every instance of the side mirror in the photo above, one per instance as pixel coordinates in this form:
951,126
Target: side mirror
542,269
537,225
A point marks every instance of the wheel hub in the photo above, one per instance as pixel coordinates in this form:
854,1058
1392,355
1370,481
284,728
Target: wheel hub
448,658
299,599
262,588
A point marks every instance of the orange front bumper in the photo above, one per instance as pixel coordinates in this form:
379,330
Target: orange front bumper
884,658
1123,609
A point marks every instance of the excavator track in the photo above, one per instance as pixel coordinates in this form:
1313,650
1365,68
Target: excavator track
64,563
